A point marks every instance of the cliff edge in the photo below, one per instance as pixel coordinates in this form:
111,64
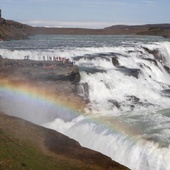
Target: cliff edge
13,30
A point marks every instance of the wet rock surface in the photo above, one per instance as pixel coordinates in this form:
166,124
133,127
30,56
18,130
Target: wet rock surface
39,70
53,77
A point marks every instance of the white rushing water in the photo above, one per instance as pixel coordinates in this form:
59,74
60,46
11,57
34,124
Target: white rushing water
126,80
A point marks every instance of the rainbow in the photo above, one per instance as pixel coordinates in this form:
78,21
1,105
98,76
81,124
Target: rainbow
40,94
43,95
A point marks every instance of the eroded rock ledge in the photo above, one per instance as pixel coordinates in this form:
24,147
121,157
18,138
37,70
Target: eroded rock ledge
30,70
52,77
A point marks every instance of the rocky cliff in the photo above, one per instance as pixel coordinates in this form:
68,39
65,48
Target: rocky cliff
13,30
61,78
31,70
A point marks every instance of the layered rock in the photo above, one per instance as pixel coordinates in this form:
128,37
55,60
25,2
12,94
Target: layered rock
13,30
30,70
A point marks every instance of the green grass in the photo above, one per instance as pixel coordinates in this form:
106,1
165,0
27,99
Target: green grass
21,155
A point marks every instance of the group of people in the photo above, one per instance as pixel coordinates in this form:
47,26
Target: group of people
49,58
62,59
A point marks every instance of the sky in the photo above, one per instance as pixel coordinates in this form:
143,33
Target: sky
86,13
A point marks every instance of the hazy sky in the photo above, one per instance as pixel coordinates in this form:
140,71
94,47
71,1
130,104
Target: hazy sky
86,13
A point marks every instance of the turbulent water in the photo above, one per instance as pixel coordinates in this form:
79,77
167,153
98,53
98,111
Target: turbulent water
126,80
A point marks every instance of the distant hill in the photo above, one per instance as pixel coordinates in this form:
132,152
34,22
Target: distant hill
147,26
14,30
149,29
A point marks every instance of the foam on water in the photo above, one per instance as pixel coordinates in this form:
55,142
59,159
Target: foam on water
139,144
136,83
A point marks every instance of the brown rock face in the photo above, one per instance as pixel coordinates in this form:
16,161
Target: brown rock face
13,30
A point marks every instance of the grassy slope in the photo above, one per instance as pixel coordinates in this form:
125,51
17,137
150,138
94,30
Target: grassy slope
24,145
